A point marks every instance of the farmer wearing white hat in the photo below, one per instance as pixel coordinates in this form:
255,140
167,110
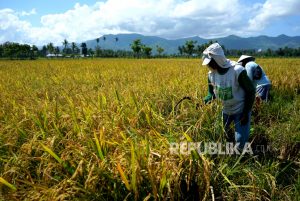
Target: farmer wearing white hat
257,76
229,82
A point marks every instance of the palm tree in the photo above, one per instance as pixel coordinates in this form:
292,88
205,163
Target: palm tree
104,38
97,40
65,43
50,47
56,51
116,39
97,48
74,47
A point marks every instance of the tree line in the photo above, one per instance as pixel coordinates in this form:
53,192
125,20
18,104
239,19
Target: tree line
190,48
13,50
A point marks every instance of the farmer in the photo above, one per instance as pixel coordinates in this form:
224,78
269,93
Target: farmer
257,76
229,82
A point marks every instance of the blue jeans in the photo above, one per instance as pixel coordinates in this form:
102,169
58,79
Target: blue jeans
241,131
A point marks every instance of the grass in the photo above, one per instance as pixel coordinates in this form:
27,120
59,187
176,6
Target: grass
101,130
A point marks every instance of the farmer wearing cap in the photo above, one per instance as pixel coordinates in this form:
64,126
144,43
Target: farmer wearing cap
229,82
257,76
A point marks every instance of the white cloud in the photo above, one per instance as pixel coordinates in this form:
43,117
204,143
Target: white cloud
167,18
24,13
271,10
13,29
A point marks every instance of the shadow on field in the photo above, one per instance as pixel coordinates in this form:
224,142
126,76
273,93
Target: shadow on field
287,158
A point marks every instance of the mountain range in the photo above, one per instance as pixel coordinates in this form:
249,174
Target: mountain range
170,46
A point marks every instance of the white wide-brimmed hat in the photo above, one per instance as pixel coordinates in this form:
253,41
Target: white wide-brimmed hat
243,57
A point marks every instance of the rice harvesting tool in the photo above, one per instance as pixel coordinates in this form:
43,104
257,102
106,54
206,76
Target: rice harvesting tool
189,99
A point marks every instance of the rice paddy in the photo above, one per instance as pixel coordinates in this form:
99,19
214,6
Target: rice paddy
101,129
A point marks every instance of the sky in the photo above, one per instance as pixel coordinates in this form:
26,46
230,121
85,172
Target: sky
42,21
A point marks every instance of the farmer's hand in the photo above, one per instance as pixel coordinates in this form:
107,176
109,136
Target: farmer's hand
258,101
244,119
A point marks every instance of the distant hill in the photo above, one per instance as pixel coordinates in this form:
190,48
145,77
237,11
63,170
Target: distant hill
171,46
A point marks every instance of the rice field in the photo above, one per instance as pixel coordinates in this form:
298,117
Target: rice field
101,129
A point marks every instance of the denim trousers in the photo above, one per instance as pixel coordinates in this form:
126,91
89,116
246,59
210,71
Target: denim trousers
241,131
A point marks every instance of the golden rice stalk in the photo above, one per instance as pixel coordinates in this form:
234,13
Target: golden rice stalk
99,150
47,149
123,176
133,170
66,165
6,183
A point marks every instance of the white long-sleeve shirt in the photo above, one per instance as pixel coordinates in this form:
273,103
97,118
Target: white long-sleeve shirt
250,68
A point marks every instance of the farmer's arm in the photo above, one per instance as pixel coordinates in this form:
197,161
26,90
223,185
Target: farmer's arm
249,68
249,89
211,94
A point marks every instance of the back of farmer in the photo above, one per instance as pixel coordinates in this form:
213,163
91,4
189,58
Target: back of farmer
257,75
229,82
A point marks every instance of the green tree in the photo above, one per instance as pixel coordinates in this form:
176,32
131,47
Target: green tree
19,51
1,50
98,48
73,47
91,52
65,43
159,50
147,51
116,40
16,50
200,48
181,50
84,49
9,49
56,50
269,52
34,51
190,47
97,40
43,51
50,48
136,47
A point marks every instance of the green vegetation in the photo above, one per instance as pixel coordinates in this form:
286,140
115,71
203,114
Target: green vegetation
101,130
139,49
10,50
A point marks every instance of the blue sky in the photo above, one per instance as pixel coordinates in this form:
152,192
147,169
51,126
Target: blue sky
42,21
42,7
